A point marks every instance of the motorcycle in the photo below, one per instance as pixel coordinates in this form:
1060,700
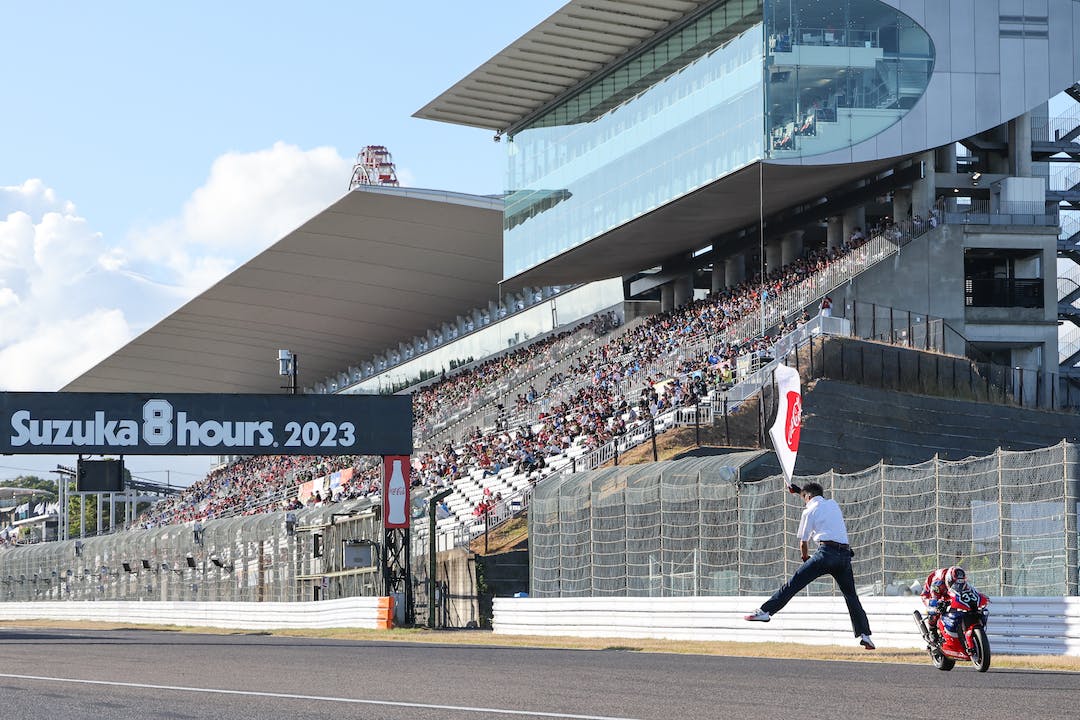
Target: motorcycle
961,630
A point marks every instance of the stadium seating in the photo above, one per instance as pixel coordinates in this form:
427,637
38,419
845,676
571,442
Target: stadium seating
607,382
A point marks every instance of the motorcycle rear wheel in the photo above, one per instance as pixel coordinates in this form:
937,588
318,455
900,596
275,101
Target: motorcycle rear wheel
980,650
941,662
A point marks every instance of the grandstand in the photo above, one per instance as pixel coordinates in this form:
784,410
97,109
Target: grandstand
689,181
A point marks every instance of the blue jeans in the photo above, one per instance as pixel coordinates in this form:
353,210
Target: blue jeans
826,561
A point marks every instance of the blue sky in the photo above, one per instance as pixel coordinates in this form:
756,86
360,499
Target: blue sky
146,149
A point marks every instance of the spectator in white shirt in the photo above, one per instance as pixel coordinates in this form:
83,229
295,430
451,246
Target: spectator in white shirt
823,523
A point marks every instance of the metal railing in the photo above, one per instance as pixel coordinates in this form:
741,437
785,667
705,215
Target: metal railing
979,211
468,411
514,504
1003,292
1052,129
485,413
1070,225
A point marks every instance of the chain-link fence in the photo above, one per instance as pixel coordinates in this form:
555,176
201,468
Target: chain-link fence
691,527
316,553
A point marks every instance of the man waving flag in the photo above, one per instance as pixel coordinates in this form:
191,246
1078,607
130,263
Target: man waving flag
785,429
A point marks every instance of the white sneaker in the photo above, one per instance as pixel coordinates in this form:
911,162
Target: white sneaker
867,643
758,615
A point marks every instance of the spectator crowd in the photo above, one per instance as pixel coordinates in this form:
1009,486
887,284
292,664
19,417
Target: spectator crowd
672,359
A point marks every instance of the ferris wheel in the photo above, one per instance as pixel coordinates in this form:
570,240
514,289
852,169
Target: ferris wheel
374,166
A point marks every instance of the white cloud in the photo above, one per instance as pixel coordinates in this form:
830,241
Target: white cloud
57,351
50,326
68,298
249,201
8,297
32,197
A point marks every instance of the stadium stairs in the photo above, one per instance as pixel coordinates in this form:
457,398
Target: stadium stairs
470,490
504,393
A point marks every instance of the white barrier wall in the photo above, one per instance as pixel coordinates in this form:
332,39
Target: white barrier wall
357,612
1043,626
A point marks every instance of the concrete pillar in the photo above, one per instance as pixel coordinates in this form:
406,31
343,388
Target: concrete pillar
1026,365
835,234
684,289
717,283
774,256
901,204
923,191
854,218
1020,146
946,163
667,297
945,157
791,247
735,269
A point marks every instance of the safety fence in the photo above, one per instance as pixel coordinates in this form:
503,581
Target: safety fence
317,553
692,527
1016,625
902,368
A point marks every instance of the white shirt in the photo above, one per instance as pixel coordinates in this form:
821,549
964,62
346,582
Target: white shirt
822,520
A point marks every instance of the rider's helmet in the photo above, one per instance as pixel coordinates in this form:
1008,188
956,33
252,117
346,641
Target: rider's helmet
955,576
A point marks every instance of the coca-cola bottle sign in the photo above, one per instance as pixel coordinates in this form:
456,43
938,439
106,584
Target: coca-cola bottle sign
396,491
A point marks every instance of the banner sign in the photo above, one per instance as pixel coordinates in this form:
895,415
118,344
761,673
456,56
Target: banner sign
395,494
785,429
204,424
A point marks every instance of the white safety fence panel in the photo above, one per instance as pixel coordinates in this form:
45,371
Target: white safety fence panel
1041,626
358,612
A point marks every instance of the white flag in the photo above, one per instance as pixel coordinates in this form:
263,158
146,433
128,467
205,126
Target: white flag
785,429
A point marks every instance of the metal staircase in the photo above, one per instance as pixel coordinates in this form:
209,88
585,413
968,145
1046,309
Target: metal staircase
1064,189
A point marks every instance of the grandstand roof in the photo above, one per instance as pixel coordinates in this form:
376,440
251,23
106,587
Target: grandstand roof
566,49
379,266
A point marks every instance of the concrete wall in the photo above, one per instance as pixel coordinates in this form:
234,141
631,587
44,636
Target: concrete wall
927,276
848,428
457,567
633,309
1041,626
357,612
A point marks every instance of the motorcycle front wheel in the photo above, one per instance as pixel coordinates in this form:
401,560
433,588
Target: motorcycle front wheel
980,650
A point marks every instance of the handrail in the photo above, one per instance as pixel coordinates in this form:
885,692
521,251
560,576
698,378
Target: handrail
536,367
480,399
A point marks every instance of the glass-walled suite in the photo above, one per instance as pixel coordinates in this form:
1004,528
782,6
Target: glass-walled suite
746,80
675,117
563,309
839,72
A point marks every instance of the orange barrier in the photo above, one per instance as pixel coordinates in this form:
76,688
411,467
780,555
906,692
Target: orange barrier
384,615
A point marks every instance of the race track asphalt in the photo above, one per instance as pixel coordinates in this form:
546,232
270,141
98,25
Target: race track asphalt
149,674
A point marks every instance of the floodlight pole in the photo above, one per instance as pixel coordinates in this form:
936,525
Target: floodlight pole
288,366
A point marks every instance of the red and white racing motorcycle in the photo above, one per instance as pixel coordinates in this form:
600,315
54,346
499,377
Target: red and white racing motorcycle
961,630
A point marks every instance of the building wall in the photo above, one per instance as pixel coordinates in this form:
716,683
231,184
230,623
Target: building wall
928,276
995,60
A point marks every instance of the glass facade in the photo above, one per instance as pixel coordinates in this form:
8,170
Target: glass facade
839,72
619,148
743,81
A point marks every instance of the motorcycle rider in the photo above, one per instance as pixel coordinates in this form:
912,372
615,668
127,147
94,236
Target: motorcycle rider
936,592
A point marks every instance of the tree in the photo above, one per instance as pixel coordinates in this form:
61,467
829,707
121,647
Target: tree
31,482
